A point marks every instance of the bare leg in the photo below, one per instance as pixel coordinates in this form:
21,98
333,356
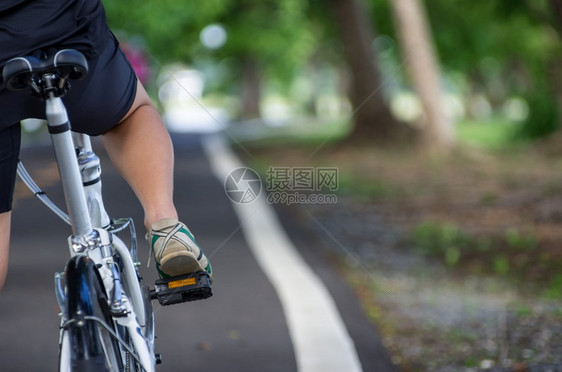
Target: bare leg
141,150
5,219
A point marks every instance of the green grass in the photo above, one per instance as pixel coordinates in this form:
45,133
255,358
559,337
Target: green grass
306,134
495,133
455,246
367,188
491,134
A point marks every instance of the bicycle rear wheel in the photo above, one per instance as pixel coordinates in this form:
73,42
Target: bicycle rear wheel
88,342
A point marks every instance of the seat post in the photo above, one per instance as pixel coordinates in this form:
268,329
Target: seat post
90,172
59,129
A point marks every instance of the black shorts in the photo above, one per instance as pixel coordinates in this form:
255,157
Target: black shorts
95,105
9,152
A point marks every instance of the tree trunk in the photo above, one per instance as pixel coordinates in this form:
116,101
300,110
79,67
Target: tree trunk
372,118
421,61
251,90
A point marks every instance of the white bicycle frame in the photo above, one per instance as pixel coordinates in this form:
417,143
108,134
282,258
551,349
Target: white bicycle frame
90,237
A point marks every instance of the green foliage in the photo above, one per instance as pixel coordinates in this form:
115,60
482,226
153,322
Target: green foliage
453,246
523,310
503,48
544,117
467,32
442,240
519,241
272,32
554,288
501,265
367,188
498,48
170,27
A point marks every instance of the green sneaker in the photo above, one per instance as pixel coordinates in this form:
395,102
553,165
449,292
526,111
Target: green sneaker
175,250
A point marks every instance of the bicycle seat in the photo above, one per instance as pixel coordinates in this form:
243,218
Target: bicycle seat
67,63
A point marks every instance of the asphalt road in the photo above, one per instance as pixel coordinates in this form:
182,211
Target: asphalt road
241,328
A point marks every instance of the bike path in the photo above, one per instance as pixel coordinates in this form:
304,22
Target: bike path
241,328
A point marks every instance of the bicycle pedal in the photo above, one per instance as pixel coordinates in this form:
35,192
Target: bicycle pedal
183,288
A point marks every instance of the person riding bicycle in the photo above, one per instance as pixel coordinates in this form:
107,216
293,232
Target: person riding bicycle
110,102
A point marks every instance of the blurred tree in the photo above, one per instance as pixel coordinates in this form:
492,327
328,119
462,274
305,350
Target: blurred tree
251,89
502,49
170,27
544,93
268,40
265,38
373,120
418,50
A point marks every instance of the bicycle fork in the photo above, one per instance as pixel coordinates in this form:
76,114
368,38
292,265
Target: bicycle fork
122,308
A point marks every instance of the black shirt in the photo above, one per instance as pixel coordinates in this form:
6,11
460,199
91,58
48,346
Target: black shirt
28,25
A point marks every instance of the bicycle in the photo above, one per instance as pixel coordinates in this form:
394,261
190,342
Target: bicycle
107,322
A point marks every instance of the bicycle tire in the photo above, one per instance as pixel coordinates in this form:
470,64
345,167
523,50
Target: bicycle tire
91,346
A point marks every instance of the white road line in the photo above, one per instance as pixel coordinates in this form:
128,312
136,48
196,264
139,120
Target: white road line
320,339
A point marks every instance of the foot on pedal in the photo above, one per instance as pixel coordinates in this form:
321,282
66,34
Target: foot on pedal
183,288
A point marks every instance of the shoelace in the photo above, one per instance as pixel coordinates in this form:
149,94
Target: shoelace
166,240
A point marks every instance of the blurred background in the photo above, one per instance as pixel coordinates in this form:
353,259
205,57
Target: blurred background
461,71
443,120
